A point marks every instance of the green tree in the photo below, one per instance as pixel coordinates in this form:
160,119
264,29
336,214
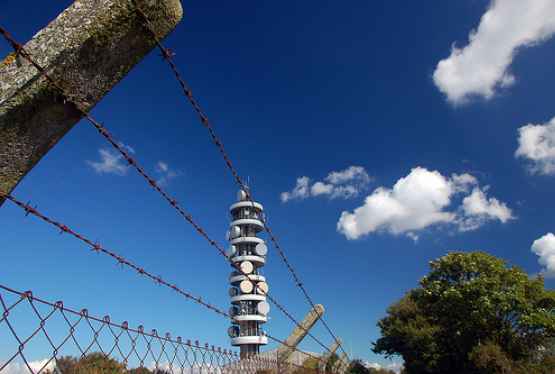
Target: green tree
97,363
380,371
357,367
471,314
139,370
490,358
93,363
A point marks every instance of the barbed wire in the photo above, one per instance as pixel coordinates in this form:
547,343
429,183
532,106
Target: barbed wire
98,248
20,51
167,55
117,343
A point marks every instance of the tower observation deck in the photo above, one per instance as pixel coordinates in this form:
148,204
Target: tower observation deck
249,308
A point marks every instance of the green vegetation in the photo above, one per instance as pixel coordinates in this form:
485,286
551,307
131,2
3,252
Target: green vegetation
312,365
472,314
97,363
357,367
93,363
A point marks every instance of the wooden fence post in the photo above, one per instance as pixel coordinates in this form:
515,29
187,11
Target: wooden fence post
88,49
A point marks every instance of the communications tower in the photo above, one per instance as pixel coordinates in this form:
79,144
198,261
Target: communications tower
249,308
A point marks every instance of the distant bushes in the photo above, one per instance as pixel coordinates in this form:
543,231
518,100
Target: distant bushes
357,367
96,363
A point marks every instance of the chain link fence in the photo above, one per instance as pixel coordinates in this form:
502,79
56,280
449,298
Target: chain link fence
38,336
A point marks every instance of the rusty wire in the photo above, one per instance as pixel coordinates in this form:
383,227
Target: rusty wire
98,248
125,344
167,55
20,51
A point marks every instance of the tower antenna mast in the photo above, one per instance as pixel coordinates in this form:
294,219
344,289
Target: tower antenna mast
249,308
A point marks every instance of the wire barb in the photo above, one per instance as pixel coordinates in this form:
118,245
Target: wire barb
151,181
227,159
120,260
124,262
85,336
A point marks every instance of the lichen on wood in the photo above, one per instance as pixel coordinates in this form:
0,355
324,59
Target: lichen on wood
87,49
285,351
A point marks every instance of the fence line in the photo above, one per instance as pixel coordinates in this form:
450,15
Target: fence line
167,55
19,49
91,344
98,248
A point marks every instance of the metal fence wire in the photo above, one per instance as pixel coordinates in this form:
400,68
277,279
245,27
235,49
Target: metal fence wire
38,336
168,55
118,146
98,248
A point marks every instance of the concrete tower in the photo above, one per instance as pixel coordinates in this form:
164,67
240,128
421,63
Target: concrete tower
249,308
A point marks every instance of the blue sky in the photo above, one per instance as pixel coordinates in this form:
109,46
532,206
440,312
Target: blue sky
302,89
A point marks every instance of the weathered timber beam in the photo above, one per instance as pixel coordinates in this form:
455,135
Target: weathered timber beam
341,364
299,333
88,49
328,355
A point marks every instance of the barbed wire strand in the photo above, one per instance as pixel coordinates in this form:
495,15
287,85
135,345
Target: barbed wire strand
19,49
167,55
104,321
98,248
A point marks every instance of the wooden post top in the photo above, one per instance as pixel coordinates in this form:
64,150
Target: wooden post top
87,49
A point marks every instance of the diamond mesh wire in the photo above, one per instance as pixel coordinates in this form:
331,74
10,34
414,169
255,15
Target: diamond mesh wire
38,336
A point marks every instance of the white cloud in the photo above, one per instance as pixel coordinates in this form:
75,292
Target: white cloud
482,67
111,162
166,174
462,182
415,201
418,201
536,143
344,184
320,188
349,174
162,167
478,209
301,190
372,365
21,368
395,366
544,247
